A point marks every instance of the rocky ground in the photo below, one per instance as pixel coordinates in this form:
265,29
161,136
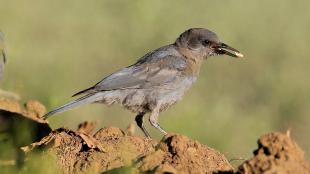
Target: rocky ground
112,150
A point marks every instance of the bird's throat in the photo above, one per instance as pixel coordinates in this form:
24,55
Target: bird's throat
193,62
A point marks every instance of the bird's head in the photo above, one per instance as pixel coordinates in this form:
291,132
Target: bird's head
202,43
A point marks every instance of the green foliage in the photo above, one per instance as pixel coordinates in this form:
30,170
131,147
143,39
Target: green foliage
40,163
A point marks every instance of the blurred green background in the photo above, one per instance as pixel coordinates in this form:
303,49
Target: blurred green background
56,48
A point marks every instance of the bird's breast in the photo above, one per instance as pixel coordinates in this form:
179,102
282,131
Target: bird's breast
168,95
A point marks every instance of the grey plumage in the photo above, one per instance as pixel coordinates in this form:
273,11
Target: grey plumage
89,98
157,80
149,71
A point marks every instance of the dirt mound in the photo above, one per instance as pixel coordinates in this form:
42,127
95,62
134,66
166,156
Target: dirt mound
111,150
276,153
32,109
20,126
179,154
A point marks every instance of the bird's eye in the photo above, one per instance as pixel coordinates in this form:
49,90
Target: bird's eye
206,42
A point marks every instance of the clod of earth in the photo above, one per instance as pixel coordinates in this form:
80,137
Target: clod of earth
276,153
20,126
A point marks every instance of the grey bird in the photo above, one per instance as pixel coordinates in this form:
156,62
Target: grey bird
157,80
2,54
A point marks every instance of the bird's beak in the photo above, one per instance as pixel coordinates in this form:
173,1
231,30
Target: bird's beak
222,48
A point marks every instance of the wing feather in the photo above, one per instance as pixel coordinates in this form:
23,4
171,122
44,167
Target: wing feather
154,69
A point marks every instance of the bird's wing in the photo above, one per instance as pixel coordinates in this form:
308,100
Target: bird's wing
142,75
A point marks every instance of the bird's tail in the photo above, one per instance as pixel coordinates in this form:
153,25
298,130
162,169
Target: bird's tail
89,98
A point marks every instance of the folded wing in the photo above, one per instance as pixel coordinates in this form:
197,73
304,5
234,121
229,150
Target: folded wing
142,75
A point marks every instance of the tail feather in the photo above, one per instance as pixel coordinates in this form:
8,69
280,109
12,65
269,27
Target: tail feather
83,91
90,98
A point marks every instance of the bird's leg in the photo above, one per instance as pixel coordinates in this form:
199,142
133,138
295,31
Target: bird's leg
139,121
154,122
